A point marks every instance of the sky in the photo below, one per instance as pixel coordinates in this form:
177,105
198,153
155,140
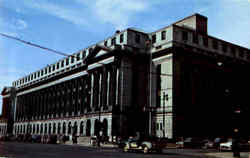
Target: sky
71,25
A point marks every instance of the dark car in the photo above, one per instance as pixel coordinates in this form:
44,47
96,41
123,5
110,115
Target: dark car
193,142
145,145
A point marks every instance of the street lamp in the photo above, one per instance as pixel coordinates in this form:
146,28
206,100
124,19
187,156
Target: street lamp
165,98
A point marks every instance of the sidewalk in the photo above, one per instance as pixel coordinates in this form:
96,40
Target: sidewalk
227,155
207,155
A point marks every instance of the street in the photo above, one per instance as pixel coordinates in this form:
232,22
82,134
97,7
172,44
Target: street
27,150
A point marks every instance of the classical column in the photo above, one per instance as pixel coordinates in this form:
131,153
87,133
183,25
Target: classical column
108,87
92,91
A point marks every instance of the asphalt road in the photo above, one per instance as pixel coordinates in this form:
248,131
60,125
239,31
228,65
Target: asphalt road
29,150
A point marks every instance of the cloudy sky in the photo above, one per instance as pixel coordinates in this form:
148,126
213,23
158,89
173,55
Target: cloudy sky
70,25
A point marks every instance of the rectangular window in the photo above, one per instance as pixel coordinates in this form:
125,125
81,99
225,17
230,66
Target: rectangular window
90,50
41,72
195,38
215,44
154,38
57,66
137,38
32,77
224,47
35,76
62,63
49,69
53,68
233,50
205,41
241,53
113,41
78,56
184,35
28,78
45,71
67,61
163,35
72,59
106,43
38,74
121,38
83,54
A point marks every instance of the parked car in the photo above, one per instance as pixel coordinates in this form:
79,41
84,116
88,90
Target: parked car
193,142
208,144
227,146
145,145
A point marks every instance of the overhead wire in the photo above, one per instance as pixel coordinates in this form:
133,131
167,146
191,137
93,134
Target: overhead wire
65,54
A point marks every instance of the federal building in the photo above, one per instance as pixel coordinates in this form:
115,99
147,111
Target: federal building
177,81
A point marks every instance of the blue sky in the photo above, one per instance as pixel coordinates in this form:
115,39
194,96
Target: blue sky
71,25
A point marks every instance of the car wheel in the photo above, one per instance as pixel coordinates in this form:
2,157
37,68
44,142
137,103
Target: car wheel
145,150
125,148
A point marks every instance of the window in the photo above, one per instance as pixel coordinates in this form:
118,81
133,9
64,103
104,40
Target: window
113,41
83,54
224,47
67,61
195,38
28,78
105,43
163,35
90,50
241,53
41,72
121,38
45,71
35,76
137,38
62,63
184,35
205,41
233,50
38,74
215,44
53,68
78,56
49,69
57,66
72,59
160,126
32,77
154,38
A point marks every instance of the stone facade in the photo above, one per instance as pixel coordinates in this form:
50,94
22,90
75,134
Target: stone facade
154,83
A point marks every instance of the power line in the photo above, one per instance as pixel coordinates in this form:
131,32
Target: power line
34,45
64,54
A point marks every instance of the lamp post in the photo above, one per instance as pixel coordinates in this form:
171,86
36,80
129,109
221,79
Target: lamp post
165,98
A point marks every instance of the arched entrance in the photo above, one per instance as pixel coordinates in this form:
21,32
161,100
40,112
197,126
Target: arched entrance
75,128
49,128
45,129
88,127
81,128
59,128
54,128
105,127
37,128
96,127
64,128
41,129
69,128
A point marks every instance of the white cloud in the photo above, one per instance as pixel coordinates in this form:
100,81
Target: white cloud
68,14
116,12
20,24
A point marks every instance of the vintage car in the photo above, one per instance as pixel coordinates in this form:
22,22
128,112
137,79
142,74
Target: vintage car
145,145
